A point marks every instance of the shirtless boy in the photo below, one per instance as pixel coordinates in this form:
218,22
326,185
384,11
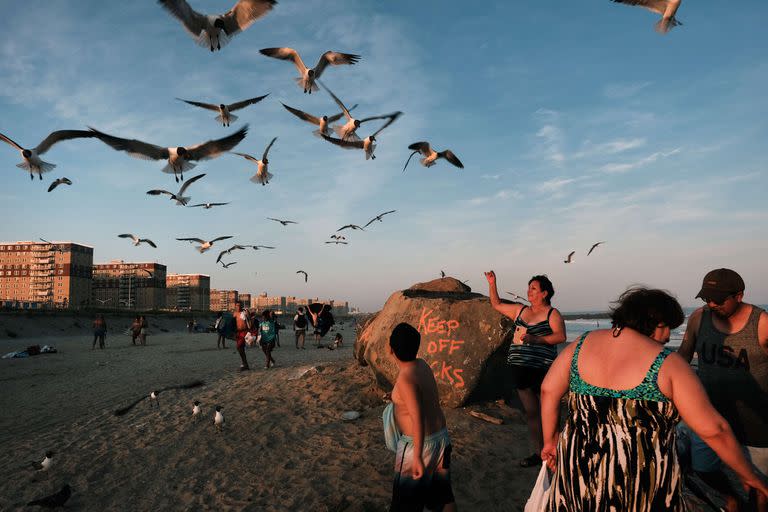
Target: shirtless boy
423,461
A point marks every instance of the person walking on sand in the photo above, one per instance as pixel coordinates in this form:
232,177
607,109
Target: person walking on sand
415,429
538,329
730,337
243,325
220,327
626,394
135,329
143,332
267,337
300,327
99,331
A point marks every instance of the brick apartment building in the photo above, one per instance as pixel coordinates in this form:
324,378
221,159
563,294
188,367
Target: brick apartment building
125,285
37,275
224,300
185,292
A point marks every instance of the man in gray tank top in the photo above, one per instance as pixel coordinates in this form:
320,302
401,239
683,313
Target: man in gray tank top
730,338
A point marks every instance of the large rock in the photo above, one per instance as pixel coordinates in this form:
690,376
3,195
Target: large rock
463,339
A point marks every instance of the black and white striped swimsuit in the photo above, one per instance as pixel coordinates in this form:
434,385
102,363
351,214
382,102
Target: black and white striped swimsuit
534,356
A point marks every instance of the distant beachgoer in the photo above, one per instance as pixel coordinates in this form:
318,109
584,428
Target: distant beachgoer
300,327
99,331
538,329
243,325
278,327
626,394
190,324
322,321
143,331
338,341
415,429
135,329
267,337
730,337
220,327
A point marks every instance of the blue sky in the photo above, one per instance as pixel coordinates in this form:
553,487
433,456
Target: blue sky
576,123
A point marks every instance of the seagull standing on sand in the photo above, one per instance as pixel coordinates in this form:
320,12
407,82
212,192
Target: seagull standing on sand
431,156
667,9
214,31
379,218
218,418
59,181
137,241
594,246
347,130
262,173
307,77
323,122
367,144
178,196
207,206
569,259
225,116
179,158
442,274
31,157
204,245
306,276
283,222
196,408
153,396
47,461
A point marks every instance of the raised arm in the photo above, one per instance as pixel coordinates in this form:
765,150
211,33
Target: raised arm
410,394
554,386
688,345
682,386
508,310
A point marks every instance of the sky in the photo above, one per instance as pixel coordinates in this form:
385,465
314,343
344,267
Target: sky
575,121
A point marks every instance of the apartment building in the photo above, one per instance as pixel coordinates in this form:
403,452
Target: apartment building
185,292
126,285
37,275
264,301
224,300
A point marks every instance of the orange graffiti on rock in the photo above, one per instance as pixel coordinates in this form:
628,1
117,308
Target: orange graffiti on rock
436,348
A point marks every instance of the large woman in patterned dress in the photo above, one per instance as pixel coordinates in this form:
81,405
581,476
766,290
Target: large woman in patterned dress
626,394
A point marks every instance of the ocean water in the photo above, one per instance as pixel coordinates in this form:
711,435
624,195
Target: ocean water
575,328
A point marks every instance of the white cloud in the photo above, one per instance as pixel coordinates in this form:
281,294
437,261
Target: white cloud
628,166
624,90
611,147
500,195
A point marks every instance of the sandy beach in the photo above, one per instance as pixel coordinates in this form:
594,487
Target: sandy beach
285,445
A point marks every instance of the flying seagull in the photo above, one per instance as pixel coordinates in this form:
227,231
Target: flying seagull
338,237
347,130
137,241
227,251
518,297
667,9
55,500
367,144
214,31
59,181
594,247
179,158
569,259
336,242
431,156
179,197
306,276
225,116
257,247
379,218
207,206
204,245
262,174
31,157
104,301
227,265
323,122
283,222
351,226
308,76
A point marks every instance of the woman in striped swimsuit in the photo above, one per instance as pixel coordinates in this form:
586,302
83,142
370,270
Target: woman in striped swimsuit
531,355
617,448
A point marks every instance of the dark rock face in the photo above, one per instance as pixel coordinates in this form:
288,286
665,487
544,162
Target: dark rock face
463,339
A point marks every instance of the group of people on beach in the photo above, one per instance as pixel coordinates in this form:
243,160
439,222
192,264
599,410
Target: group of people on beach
629,399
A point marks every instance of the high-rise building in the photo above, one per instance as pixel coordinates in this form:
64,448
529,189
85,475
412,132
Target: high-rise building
187,292
119,284
245,298
45,275
264,301
224,300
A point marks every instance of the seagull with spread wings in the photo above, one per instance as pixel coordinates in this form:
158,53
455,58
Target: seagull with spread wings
350,226
307,77
227,265
214,31
348,129
518,297
337,242
257,247
31,156
179,197
262,174
225,116
367,144
306,276
207,206
235,247
204,245
667,9
379,218
137,241
59,181
338,237
179,158
283,222
323,122
569,259
431,156
594,246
